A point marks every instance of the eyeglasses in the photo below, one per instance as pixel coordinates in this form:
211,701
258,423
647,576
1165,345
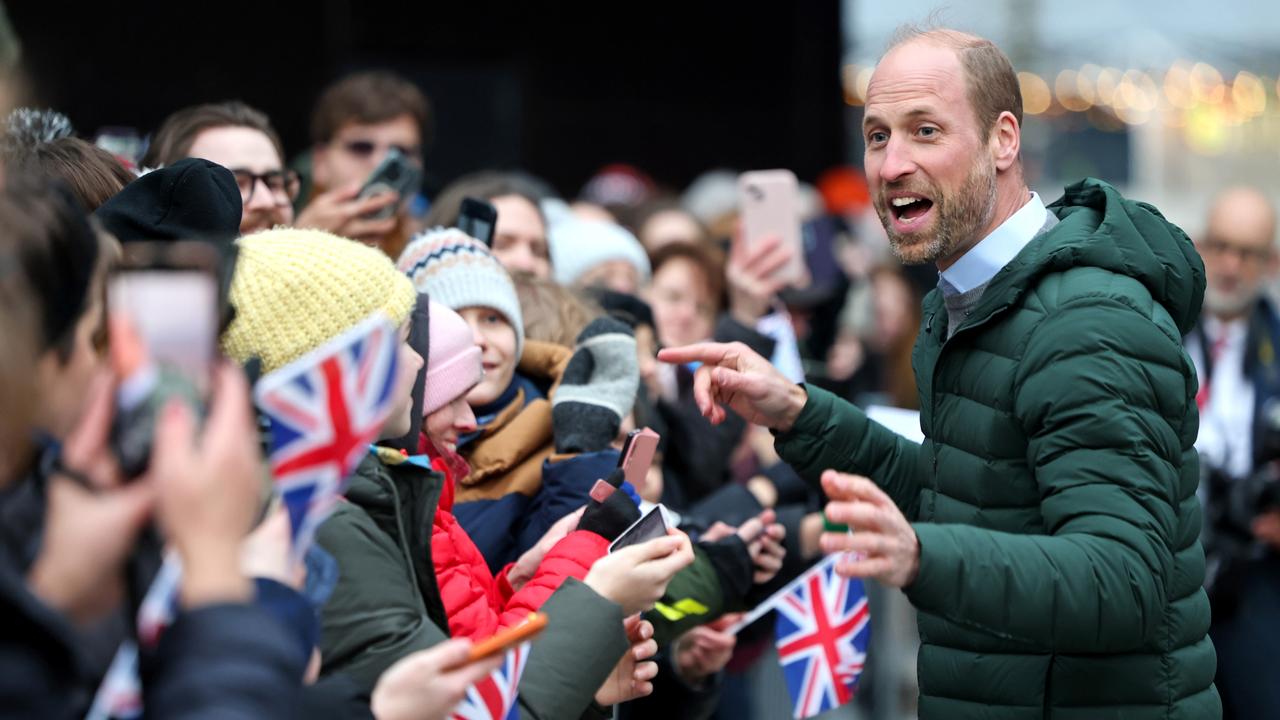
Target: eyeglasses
282,184
1214,246
366,148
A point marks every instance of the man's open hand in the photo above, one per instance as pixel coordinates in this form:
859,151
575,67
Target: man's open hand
885,543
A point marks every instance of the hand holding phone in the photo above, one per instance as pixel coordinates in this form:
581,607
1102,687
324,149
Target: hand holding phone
770,210
341,212
636,577
91,519
397,174
163,316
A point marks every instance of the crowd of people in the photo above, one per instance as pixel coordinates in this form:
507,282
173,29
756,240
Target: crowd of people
1047,530
526,361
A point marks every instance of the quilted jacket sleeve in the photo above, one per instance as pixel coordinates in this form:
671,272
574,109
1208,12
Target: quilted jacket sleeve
572,557
835,434
374,616
569,660
1095,391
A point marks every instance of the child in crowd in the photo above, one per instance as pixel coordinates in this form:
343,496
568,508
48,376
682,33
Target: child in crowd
546,415
478,603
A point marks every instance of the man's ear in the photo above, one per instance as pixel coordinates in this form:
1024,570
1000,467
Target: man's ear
1006,141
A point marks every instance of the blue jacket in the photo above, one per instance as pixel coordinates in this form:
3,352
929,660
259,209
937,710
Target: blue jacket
219,661
518,487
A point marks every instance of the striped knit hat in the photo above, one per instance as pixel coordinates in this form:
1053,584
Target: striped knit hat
294,290
458,271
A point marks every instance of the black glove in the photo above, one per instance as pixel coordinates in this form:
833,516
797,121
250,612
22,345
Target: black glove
609,518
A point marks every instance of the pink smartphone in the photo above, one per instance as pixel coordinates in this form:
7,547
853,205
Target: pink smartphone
770,204
637,455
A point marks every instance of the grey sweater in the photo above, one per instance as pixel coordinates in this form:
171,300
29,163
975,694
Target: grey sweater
960,304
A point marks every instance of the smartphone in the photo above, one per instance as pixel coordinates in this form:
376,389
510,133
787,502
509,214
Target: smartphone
637,455
396,173
163,309
770,206
510,637
478,218
651,525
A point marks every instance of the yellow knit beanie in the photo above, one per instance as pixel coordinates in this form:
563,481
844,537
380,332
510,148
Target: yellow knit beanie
293,290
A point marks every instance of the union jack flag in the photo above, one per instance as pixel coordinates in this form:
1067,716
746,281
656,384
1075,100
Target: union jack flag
823,627
323,410
494,698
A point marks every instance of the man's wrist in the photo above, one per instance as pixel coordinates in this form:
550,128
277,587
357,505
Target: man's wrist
796,400
915,563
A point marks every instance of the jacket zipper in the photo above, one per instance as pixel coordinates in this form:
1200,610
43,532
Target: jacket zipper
933,386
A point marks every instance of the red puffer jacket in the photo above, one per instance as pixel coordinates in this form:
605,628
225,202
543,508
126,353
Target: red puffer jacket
477,603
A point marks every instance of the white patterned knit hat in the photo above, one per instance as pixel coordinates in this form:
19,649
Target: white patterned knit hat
458,271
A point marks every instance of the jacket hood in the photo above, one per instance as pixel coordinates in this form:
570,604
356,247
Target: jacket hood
1099,228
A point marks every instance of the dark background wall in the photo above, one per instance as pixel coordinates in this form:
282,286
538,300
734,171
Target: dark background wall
673,87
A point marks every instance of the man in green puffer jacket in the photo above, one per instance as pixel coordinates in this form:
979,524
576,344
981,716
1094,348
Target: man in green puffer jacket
1047,529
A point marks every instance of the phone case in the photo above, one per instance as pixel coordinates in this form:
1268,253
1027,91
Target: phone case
770,205
639,456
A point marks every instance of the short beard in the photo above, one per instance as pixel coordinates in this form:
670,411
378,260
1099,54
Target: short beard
960,218
1229,305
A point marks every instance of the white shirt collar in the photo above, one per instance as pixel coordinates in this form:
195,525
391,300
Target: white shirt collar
994,251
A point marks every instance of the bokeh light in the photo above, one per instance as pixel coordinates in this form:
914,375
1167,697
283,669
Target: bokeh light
1036,97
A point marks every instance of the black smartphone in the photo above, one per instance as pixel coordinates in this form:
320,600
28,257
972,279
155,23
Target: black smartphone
164,312
478,218
396,173
649,527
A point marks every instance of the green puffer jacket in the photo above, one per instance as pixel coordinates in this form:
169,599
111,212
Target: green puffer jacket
386,604
1054,496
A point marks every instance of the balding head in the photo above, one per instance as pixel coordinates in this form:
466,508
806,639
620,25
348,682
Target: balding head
991,84
1243,212
1238,247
